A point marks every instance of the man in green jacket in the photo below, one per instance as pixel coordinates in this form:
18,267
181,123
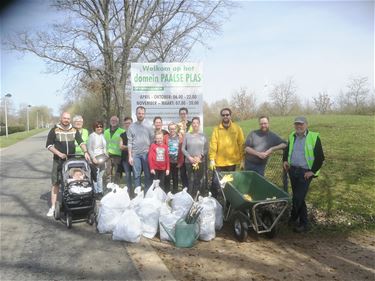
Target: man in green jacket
303,157
112,137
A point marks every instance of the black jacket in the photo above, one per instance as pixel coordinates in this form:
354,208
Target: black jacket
63,139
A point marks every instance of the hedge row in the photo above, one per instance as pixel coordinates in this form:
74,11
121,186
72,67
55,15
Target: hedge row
12,130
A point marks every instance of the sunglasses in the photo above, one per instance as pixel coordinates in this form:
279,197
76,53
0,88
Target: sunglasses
225,115
99,126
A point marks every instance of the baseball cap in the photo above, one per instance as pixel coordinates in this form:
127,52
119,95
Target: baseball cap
300,119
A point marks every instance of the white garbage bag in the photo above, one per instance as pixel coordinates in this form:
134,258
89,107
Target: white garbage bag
149,211
155,191
168,219
207,219
138,198
128,227
116,198
182,201
219,217
112,205
108,218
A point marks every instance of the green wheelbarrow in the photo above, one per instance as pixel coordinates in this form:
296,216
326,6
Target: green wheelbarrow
250,201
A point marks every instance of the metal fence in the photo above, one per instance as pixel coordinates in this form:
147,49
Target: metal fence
275,172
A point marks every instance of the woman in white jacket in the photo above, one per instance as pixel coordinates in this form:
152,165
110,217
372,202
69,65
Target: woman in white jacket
97,148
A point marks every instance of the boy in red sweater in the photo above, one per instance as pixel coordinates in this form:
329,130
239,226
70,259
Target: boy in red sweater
158,159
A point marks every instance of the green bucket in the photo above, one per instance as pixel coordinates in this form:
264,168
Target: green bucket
185,234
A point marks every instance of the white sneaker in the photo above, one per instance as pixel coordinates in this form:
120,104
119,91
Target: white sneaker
51,211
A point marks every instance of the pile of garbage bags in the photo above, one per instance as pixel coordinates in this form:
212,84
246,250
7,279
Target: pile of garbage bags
129,220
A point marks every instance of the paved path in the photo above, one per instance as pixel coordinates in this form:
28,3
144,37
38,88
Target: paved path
35,247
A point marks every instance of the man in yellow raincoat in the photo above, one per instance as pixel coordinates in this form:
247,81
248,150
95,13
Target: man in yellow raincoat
226,147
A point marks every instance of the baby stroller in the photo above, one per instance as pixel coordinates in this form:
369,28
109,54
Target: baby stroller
76,200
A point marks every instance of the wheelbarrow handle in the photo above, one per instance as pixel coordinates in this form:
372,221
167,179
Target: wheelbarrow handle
221,187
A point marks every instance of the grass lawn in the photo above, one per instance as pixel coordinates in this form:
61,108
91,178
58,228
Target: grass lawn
13,138
344,192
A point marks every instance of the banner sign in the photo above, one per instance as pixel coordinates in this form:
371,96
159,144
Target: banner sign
163,88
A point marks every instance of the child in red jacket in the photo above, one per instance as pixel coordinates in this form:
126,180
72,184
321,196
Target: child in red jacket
158,159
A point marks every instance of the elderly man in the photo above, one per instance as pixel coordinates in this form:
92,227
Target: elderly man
78,124
226,147
60,142
259,145
112,136
303,158
140,136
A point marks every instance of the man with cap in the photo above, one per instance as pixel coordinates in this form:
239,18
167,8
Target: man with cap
303,158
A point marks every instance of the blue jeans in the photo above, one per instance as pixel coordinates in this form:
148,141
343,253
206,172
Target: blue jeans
128,174
259,168
98,184
300,187
141,164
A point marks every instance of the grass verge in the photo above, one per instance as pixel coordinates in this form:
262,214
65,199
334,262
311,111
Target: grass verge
343,196
16,137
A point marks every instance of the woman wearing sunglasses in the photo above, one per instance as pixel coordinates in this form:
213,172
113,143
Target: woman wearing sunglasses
97,148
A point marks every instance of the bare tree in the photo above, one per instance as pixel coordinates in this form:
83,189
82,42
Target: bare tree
42,112
356,98
89,102
212,111
342,103
283,97
358,92
323,103
243,104
175,41
100,38
265,108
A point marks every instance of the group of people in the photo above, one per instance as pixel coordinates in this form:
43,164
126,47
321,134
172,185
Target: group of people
181,153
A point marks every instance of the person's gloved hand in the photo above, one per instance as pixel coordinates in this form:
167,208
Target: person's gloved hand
212,165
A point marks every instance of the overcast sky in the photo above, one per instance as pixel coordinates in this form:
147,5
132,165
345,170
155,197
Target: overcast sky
320,44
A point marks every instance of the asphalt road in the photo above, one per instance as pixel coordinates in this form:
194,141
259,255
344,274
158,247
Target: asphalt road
36,247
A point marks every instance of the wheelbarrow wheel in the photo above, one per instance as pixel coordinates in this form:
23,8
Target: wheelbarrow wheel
268,218
240,228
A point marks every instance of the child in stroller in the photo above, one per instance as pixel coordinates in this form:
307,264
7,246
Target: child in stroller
77,200
77,182
76,174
